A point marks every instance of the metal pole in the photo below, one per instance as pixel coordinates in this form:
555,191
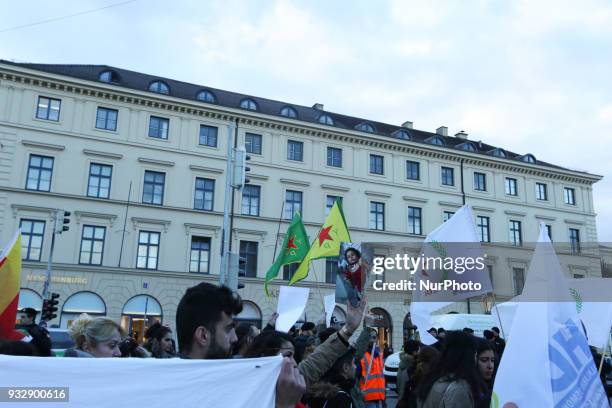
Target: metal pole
50,260
127,207
223,272
469,308
231,228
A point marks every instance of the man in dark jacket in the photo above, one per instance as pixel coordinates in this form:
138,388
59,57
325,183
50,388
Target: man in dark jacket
499,342
40,336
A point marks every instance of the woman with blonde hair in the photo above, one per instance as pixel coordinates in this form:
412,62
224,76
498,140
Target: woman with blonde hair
95,337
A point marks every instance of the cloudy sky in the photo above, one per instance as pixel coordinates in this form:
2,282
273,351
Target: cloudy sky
531,76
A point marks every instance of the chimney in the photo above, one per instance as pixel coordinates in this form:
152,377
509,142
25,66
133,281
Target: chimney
407,124
461,135
442,131
318,106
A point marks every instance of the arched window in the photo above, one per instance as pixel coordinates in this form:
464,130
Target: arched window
108,76
436,140
139,313
498,152
250,313
467,146
30,298
289,112
159,87
326,120
206,96
81,302
529,158
365,127
248,104
384,326
401,134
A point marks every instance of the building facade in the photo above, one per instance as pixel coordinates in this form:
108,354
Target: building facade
140,162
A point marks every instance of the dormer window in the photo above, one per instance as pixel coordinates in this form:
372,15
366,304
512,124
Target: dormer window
159,87
529,158
108,76
326,120
401,134
467,146
365,127
499,153
436,140
289,112
206,96
248,104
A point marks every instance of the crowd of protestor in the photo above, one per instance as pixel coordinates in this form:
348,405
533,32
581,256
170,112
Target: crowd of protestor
323,367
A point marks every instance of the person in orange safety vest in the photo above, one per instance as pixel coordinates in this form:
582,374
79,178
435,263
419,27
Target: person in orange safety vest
372,380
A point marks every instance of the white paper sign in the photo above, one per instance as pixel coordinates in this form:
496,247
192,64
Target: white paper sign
134,382
330,304
291,304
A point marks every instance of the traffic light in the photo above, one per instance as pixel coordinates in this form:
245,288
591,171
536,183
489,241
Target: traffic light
50,307
239,178
61,224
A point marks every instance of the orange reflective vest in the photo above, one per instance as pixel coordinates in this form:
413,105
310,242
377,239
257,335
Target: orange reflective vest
372,387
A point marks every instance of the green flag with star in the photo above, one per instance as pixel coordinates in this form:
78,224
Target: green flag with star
294,249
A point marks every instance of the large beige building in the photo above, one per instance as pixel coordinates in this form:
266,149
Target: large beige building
140,162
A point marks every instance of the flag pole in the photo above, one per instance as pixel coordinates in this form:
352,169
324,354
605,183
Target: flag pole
280,220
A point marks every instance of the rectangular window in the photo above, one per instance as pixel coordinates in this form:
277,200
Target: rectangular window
480,182
48,108
40,170
541,193
92,245
334,157
250,200
289,270
549,232
208,136
377,164
106,118
295,150
252,143
159,127
200,255
331,270
153,191
204,194
574,235
482,226
293,203
413,170
414,221
148,250
518,277
569,196
32,235
377,216
446,215
578,276
516,237
99,180
248,252
448,176
329,203
511,186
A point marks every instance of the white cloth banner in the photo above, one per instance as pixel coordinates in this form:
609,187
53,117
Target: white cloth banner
146,382
291,304
547,362
460,230
596,315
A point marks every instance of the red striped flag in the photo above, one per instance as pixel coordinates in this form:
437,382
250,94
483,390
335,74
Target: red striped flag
10,274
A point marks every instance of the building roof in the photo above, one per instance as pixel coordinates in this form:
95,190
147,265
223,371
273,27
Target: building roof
183,90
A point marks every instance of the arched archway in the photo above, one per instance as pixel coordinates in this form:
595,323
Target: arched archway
81,302
384,326
250,313
30,298
139,313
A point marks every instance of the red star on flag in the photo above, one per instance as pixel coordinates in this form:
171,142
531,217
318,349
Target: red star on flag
324,235
291,244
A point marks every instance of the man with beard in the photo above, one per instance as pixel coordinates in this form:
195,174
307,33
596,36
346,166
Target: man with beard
205,330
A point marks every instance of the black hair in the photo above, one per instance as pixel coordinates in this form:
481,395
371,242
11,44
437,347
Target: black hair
488,334
468,330
495,329
334,374
483,345
157,331
441,330
412,346
201,305
243,331
268,344
457,362
433,329
308,326
351,249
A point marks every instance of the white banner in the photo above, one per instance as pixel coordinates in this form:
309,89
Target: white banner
547,362
146,382
292,302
